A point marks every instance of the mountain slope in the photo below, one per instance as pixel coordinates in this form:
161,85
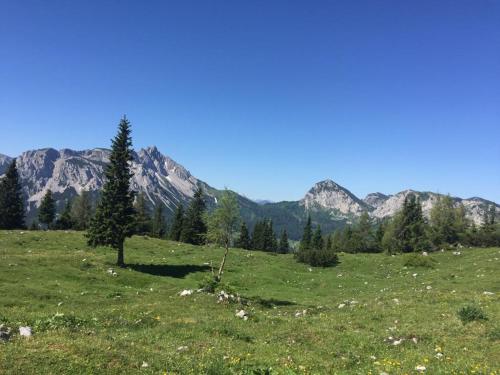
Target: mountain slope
162,180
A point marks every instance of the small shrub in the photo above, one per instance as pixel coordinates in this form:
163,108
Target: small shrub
317,258
417,260
59,321
209,284
494,334
471,313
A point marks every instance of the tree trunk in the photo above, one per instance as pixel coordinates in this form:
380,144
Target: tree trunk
120,262
221,268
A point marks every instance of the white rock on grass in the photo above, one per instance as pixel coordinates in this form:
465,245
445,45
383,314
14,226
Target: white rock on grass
342,305
242,314
182,348
25,331
457,253
144,364
420,368
186,292
488,293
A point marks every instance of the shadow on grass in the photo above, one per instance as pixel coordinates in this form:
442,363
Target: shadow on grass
271,302
170,270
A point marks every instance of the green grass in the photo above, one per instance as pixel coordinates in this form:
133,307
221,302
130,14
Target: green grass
112,324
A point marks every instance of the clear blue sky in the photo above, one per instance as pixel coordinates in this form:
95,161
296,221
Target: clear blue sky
266,97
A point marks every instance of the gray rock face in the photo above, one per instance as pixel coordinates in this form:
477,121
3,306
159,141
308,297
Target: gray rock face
4,163
331,196
375,199
475,207
68,173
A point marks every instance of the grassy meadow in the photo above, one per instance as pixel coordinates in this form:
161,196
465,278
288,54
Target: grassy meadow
371,314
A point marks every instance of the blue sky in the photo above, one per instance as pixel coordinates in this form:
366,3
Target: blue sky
265,97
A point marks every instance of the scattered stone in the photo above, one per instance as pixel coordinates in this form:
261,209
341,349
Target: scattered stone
186,292
397,342
415,340
396,301
25,331
112,272
242,314
144,365
415,275
457,253
182,348
342,305
488,293
425,253
428,287
439,355
310,269
420,368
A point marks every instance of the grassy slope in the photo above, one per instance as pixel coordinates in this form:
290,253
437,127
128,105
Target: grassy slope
116,323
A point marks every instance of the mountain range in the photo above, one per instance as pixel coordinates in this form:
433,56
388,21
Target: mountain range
164,181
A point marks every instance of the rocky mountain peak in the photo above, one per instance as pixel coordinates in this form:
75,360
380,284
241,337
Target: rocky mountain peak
331,196
375,199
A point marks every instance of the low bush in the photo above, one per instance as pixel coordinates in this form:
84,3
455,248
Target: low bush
417,260
318,258
471,313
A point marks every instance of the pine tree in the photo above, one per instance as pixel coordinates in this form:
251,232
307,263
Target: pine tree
258,239
142,216
284,246
443,221
317,240
47,210
270,243
328,245
115,216
64,221
82,211
194,227
306,241
11,200
176,228
244,241
407,231
159,226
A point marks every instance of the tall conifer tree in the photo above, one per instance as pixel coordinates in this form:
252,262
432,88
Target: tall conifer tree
194,227
159,227
306,241
115,215
284,246
47,210
244,241
178,223
11,200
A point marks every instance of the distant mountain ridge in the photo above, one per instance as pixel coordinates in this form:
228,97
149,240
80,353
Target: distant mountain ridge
162,180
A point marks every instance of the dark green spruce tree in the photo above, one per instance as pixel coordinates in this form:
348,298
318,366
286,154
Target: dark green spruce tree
258,241
159,227
284,246
176,228
82,211
64,221
306,241
47,210
142,216
244,241
317,240
11,200
194,228
114,219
